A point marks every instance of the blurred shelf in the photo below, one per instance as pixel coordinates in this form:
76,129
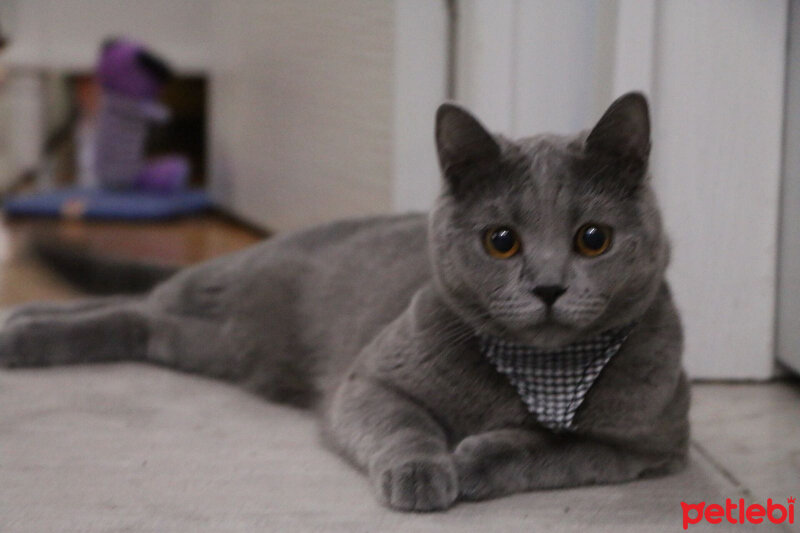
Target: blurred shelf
181,242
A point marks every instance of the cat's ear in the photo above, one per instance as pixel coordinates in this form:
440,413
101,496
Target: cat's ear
465,147
623,132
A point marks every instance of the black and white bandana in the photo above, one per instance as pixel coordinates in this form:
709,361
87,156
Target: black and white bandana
553,383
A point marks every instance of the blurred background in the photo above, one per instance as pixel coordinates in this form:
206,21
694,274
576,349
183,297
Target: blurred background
292,113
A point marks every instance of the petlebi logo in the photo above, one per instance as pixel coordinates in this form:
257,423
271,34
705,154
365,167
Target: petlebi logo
738,512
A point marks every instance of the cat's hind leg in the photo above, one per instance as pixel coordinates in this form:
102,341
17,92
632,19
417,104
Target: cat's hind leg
83,331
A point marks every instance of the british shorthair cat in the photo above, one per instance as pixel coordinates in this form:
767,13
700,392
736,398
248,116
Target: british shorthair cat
520,336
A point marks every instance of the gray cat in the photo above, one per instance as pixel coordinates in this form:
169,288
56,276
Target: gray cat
521,336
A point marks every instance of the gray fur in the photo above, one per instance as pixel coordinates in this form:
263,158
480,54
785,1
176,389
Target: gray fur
373,322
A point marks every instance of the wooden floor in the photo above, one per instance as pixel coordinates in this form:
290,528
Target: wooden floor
181,242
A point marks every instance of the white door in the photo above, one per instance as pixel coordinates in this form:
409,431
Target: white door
788,341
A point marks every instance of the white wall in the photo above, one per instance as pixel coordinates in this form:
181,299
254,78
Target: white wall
66,34
325,110
303,110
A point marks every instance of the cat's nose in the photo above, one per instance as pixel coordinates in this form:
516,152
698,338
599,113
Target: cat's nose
549,293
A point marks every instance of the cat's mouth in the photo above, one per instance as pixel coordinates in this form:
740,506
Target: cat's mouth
526,329
527,317
545,327
551,324
550,320
547,333
531,322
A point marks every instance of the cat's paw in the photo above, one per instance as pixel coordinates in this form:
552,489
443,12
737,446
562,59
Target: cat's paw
417,484
8,355
492,464
473,459
13,334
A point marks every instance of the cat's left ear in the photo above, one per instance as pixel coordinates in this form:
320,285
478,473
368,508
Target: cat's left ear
466,150
623,132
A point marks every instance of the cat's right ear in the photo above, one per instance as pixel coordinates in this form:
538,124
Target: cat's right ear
623,133
465,147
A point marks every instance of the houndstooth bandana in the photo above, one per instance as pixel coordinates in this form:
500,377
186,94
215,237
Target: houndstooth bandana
553,383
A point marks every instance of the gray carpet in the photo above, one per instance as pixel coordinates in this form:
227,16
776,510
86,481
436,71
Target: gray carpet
133,448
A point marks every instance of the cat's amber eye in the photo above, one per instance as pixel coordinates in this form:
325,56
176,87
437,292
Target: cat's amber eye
592,239
501,243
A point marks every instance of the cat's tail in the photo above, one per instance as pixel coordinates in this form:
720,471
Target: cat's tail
98,274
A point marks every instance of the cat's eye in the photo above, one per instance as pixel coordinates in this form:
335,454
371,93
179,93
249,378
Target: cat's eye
501,242
592,239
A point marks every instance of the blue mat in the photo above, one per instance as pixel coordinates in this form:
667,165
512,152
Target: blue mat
103,204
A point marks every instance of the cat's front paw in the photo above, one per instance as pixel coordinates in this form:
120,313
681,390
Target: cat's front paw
417,484
8,340
17,340
492,464
473,458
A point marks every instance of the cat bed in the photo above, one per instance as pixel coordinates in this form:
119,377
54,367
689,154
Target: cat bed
106,204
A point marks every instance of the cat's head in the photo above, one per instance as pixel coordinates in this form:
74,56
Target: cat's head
548,239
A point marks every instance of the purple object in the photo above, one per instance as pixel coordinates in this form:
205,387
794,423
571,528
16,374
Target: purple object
166,174
131,78
128,69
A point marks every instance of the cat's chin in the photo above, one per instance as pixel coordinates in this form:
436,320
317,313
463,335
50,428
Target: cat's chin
548,333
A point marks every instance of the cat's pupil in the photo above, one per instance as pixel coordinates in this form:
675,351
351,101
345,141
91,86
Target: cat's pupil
593,238
503,239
